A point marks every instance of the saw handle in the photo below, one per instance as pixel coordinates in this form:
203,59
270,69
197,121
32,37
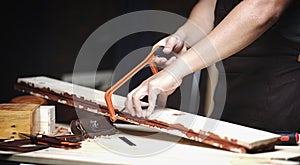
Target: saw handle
148,60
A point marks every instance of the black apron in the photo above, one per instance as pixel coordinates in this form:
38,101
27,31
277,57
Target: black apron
263,80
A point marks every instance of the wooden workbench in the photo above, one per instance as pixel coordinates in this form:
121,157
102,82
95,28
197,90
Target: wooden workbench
151,147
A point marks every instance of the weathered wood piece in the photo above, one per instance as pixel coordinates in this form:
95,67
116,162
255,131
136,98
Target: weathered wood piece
16,118
217,133
29,99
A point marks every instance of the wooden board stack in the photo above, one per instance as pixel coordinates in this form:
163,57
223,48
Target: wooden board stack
25,118
217,133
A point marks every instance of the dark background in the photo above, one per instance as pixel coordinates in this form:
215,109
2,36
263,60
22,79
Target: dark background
50,33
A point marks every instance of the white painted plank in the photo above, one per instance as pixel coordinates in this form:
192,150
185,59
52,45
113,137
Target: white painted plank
241,135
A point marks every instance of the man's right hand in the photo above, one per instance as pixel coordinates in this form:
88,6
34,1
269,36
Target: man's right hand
173,44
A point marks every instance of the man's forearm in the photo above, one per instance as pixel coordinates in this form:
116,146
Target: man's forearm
244,24
199,23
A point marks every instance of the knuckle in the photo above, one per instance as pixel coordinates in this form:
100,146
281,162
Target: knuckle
152,84
135,98
129,95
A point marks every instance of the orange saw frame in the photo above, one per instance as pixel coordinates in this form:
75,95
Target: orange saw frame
148,60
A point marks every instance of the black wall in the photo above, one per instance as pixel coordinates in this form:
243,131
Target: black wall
48,34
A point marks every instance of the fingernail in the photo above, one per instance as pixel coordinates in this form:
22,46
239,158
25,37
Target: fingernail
138,115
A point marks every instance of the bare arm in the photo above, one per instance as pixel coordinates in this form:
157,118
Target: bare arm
244,24
199,23
197,26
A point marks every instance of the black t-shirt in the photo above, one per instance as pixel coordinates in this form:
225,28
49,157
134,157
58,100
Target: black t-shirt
263,80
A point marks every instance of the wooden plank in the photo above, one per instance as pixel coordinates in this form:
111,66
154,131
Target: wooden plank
217,133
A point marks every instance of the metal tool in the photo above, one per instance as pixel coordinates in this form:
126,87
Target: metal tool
149,60
21,146
92,126
38,142
52,141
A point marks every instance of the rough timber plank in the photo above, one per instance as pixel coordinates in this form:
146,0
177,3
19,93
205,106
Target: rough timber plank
217,133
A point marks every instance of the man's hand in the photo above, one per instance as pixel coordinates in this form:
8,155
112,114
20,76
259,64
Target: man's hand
159,85
173,44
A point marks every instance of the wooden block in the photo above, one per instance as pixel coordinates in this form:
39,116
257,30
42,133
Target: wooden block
15,118
44,120
217,133
44,116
